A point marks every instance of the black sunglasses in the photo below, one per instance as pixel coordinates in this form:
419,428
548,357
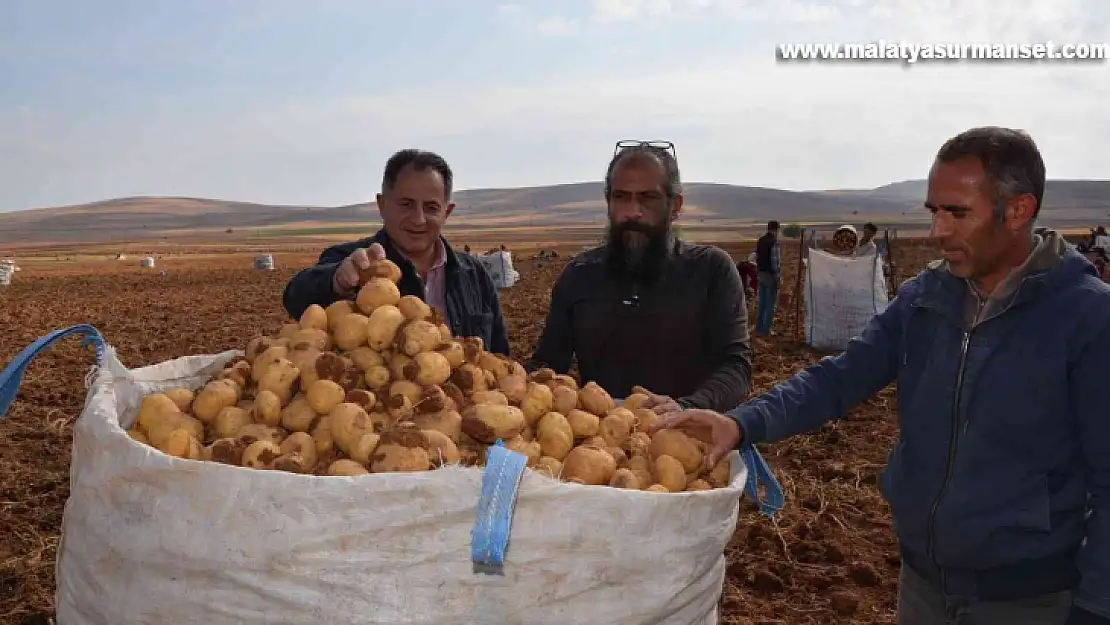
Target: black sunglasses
633,143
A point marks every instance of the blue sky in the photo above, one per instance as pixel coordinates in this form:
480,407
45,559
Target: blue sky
298,102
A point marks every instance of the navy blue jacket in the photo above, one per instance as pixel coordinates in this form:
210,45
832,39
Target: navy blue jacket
473,307
1004,450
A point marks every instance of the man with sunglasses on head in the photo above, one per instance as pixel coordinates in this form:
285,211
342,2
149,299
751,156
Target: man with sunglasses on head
645,308
414,204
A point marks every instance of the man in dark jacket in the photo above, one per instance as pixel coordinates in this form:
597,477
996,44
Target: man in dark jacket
769,266
414,204
999,484
646,308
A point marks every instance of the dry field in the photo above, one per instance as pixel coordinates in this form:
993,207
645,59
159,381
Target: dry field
829,557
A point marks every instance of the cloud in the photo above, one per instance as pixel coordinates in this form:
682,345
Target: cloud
523,20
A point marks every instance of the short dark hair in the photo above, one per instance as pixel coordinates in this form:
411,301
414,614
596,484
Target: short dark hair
672,181
1010,158
870,226
772,225
420,160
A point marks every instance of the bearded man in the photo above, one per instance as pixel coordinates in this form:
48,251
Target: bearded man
646,308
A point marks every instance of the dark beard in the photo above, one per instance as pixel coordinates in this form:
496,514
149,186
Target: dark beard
637,261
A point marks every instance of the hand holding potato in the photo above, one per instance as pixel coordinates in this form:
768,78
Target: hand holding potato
723,431
347,274
659,404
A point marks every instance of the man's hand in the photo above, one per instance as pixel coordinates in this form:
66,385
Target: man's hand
659,404
723,432
347,274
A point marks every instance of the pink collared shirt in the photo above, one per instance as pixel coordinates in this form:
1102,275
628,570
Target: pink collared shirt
435,281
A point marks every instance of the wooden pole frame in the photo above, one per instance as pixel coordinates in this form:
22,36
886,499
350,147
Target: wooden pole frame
802,255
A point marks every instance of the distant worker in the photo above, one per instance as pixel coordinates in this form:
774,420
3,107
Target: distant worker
768,263
749,274
646,308
867,245
414,203
999,482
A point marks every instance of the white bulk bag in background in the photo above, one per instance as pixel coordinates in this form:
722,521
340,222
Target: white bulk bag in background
147,538
499,266
841,295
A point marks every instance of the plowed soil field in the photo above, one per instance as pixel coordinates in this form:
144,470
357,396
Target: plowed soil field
828,557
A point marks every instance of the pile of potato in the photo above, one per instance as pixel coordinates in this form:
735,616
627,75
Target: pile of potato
378,384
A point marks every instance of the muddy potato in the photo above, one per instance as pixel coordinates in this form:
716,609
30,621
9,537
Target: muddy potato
266,408
721,475
625,478
469,378
256,346
564,400
441,449
554,434
428,368
363,398
678,446
364,448
346,468
320,339
584,424
229,421
397,363
402,448
635,400
260,455
314,318
514,387
432,398
376,293
381,421
669,472
182,444
279,380
298,416
351,331
304,445
349,423
589,465
214,397
154,408
414,308
448,422
160,431
614,431
227,450
321,435
488,422
489,397
293,462
364,357
377,378
549,466
529,449
619,456
646,420
697,485
304,358
417,336
261,432
399,408
337,310
453,351
323,395
639,443
657,488
537,402
473,347
182,397
593,398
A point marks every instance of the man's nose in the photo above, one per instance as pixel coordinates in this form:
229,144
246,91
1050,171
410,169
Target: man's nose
941,226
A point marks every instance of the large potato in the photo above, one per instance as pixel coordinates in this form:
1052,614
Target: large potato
564,400
589,465
555,436
351,331
376,293
678,446
583,423
418,336
403,448
214,397
384,323
414,308
669,473
449,422
488,422
428,368
154,408
538,401
349,423
230,420
314,318
441,448
615,431
337,311
593,398
298,416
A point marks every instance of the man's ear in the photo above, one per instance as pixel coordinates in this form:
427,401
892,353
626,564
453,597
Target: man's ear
676,207
1020,212
450,209
379,200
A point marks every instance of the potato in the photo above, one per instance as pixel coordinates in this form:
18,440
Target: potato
261,455
182,444
428,368
414,308
564,400
214,397
337,310
279,380
364,357
229,421
408,389
293,462
488,422
303,445
669,473
639,443
496,364
589,465
384,323
417,336
267,408
549,466
625,478
320,339
162,429
441,448
351,331
514,387
376,293
453,352
595,441
529,449
635,400
397,363
698,485
348,424
657,488
383,268
473,349
679,446
256,346
240,374
619,456
583,423
154,408
364,448
321,434
538,401
261,432
346,468
448,422
593,398
720,476
554,434
399,408
363,398
288,330
626,414
646,420
470,378
227,450
444,332
489,397
298,416
377,378
324,395
433,399
183,397
138,436
614,431
565,380
402,448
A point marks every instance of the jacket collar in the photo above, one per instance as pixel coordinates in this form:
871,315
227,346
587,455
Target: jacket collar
452,263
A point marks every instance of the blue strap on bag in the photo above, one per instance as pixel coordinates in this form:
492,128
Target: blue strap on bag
759,472
489,539
12,374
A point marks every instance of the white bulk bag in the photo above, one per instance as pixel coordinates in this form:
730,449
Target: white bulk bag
147,538
841,295
499,266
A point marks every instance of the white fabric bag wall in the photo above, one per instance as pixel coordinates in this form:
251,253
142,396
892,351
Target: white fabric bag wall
148,539
499,266
841,295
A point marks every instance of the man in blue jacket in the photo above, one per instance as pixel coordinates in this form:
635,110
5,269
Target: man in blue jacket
414,204
999,483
